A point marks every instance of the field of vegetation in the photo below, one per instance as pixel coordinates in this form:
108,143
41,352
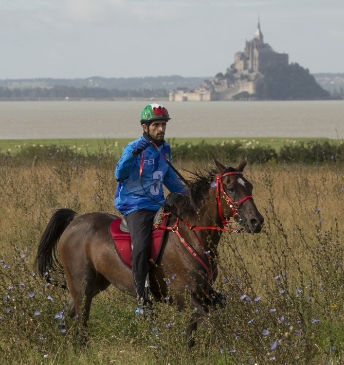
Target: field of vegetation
87,146
284,286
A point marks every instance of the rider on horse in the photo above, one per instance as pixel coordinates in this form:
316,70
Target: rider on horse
141,173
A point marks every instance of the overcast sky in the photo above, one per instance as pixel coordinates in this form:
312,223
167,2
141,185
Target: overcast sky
137,38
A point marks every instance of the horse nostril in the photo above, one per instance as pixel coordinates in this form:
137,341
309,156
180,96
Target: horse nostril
256,225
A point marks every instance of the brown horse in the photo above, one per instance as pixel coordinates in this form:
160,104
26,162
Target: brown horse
90,262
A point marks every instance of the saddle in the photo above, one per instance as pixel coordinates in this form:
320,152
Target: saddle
120,234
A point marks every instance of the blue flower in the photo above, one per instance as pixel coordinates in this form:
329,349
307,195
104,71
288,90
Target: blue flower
37,313
315,320
49,298
272,310
248,299
274,345
265,332
257,299
31,294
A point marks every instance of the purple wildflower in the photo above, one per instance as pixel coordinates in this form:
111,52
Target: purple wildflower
274,345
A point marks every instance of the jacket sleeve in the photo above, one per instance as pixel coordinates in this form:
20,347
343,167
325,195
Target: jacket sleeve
173,183
125,164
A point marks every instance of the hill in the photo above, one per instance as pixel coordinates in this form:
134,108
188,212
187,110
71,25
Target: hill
332,82
289,82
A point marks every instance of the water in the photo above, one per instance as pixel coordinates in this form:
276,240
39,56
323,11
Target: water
120,119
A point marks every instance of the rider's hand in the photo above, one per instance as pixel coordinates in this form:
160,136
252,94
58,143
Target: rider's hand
141,146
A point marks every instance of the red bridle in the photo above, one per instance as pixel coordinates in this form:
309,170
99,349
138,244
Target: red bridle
220,193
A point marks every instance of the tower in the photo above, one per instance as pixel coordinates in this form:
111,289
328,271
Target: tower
259,35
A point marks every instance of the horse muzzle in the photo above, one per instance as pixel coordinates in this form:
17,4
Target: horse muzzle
252,225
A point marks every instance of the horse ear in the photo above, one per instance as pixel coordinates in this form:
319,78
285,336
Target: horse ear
242,164
221,168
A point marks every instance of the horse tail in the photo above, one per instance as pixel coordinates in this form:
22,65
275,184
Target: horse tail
46,258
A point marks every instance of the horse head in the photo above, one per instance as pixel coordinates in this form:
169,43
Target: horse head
234,198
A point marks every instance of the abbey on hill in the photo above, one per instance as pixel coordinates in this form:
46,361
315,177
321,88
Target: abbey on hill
246,77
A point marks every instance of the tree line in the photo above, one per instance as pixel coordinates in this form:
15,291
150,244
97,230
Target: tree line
71,92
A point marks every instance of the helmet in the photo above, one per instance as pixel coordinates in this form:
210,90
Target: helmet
154,112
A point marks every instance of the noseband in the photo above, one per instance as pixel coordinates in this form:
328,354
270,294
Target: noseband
221,193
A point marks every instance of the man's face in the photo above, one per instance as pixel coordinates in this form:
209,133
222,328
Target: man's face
156,129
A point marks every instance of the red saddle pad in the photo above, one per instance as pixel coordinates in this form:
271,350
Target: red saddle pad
122,242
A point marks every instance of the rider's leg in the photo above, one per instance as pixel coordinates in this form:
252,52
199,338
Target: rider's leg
140,226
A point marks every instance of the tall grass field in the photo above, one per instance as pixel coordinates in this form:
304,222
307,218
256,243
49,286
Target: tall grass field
284,286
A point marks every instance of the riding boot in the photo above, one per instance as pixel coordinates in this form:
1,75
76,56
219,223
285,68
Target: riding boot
144,303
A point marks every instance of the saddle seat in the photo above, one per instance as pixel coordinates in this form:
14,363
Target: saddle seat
120,234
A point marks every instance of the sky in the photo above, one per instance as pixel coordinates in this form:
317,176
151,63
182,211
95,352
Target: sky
140,38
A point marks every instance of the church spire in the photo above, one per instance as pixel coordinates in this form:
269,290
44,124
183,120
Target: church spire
259,35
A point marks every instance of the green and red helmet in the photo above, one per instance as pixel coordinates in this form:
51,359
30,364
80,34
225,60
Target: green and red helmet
154,112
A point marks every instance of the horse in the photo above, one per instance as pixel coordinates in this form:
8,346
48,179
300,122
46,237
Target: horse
218,201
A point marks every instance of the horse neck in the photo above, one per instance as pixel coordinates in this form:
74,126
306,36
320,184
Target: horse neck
207,216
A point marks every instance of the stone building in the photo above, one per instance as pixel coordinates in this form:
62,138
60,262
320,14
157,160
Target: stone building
243,75
258,55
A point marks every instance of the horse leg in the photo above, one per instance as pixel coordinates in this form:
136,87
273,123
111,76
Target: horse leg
82,292
197,310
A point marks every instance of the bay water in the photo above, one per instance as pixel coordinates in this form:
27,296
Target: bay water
120,119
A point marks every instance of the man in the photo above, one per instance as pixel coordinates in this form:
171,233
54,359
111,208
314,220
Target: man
141,173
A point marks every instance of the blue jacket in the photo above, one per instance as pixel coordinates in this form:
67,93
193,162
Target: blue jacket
130,195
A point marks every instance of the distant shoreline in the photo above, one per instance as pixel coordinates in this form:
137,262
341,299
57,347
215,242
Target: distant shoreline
86,99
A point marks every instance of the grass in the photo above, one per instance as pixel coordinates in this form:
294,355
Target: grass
284,286
94,145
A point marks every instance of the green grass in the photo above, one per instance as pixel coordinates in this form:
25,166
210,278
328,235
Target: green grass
94,145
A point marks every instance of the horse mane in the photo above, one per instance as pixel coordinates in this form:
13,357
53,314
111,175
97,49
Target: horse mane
198,187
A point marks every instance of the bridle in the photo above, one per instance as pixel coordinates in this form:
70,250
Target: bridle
221,193
234,206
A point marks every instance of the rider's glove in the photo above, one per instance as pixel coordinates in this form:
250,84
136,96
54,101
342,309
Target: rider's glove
141,146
